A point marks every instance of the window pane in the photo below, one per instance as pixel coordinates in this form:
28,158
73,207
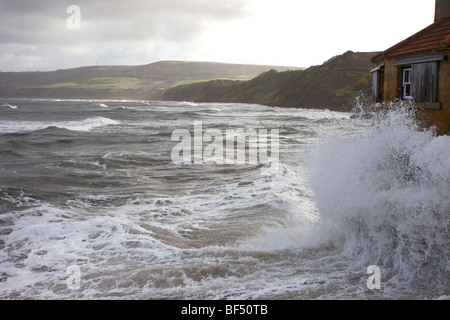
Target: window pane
406,83
407,90
406,76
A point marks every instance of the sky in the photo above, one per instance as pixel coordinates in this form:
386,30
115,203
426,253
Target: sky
46,35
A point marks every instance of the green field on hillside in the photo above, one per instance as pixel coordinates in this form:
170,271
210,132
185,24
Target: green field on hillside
94,83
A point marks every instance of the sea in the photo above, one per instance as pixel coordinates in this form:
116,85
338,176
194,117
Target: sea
93,204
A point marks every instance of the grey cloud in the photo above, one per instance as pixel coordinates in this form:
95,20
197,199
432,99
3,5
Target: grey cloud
117,20
34,36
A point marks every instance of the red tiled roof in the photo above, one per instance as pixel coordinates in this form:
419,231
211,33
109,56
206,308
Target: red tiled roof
428,39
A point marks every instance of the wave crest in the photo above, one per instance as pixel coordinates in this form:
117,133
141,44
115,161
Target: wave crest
87,124
76,125
388,191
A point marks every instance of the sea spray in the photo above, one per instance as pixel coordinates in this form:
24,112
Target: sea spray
109,200
387,190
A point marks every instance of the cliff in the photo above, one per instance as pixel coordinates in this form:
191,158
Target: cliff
332,85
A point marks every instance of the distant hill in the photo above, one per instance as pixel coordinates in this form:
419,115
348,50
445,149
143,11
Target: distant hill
121,82
332,85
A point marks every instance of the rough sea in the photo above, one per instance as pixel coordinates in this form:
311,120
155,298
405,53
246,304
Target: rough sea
93,205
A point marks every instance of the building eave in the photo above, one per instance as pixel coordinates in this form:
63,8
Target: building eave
387,53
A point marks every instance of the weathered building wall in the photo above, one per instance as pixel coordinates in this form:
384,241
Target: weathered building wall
392,85
427,53
432,114
441,118
444,84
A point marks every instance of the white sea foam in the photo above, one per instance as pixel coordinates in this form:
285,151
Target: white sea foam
387,191
167,231
189,103
7,105
316,115
87,124
77,125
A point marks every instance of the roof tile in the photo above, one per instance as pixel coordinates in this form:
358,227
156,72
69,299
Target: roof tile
425,40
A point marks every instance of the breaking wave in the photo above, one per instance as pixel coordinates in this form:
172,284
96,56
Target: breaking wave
78,125
87,124
387,192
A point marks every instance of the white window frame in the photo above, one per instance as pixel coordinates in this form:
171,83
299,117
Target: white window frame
406,83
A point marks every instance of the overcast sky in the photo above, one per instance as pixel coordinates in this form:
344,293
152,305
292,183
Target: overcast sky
35,34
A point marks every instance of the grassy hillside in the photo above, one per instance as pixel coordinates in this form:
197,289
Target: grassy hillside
121,82
332,85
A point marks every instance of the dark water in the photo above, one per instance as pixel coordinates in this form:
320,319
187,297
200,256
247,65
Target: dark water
89,192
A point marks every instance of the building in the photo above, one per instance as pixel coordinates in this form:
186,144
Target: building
418,69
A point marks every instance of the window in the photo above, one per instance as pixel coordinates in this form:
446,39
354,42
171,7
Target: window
420,78
406,84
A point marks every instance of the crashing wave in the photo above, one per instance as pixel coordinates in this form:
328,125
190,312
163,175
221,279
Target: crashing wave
388,192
